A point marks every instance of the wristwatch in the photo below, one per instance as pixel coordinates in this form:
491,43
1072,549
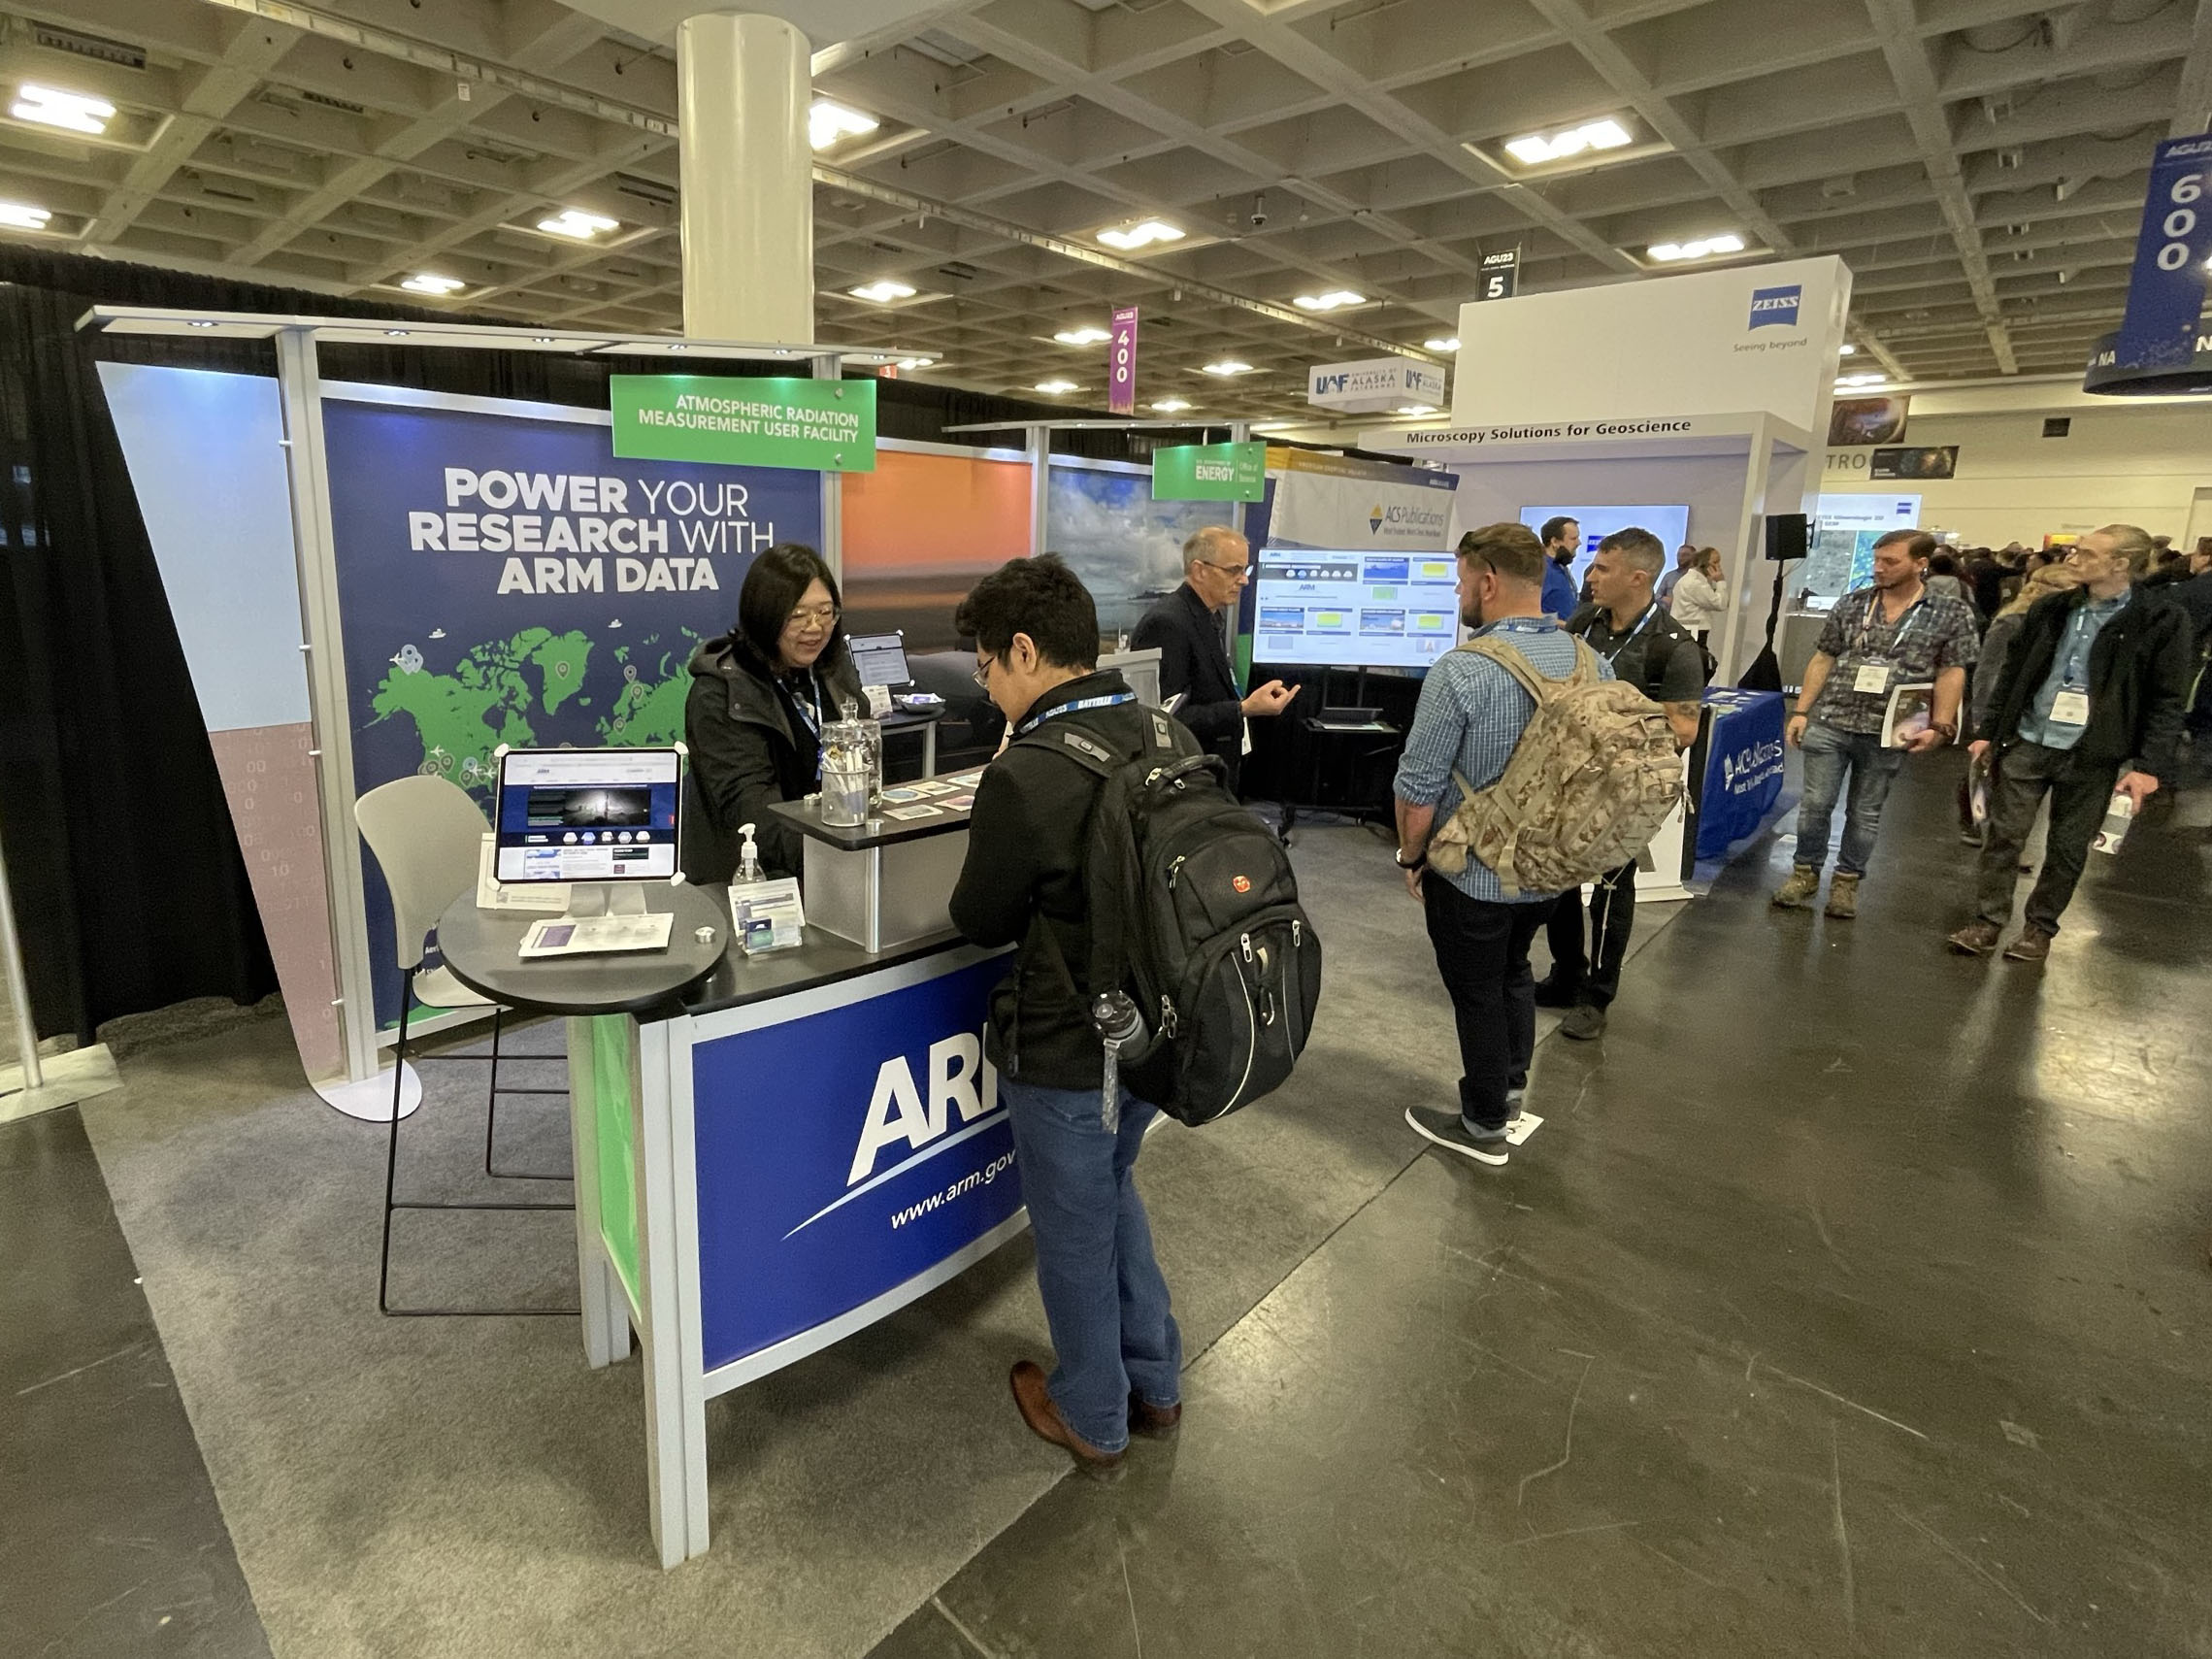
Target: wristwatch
1399,859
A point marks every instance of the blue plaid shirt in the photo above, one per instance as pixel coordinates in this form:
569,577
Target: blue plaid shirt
1471,716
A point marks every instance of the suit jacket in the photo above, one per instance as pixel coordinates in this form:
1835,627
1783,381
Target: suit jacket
1195,663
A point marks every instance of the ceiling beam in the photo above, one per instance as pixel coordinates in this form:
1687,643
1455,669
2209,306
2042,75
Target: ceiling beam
2193,105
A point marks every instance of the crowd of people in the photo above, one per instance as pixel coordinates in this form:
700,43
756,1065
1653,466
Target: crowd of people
2069,676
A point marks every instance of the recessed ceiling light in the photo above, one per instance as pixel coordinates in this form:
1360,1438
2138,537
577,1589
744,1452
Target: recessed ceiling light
1334,300
1668,252
21,215
1129,238
576,223
398,333
1448,344
1417,409
677,347
1170,406
75,112
545,339
882,291
1536,150
1860,380
1847,349
1057,388
1084,336
829,123
915,363
1228,366
423,283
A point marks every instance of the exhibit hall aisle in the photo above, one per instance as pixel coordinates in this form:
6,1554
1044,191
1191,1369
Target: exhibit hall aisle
469,1488
1851,1300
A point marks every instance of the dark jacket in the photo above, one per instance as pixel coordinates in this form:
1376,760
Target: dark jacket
1194,664
2139,671
748,749
1026,844
2195,597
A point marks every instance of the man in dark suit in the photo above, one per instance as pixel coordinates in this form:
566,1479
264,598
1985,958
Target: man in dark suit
1194,662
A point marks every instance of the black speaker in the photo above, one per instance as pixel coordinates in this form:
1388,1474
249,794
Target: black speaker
1785,535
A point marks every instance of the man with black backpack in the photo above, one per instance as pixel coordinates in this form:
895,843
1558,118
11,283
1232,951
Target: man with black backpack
1625,624
1162,963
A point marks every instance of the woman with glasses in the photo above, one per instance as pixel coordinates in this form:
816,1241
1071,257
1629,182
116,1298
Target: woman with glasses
760,695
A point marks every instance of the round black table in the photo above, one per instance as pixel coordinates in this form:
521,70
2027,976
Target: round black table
480,945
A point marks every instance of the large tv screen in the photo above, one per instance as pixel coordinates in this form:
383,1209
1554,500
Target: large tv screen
1353,609
1671,524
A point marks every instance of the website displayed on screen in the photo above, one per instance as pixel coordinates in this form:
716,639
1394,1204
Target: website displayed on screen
880,659
1671,524
1354,610
587,814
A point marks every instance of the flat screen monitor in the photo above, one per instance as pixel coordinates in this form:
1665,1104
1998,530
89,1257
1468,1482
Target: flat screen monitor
587,814
1354,610
880,658
1671,524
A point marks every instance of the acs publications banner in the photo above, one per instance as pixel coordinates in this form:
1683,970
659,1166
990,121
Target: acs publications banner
506,580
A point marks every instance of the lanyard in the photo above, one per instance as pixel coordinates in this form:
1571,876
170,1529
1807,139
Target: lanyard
810,715
2080,641
1625,639
1903,624
1107,701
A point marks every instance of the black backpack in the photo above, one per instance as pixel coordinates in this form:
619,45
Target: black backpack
1194,912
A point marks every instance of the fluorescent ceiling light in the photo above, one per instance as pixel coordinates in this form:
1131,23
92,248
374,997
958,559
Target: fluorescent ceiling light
1131,237
1536,150
1450,342
21,215
423,283
1083,336
1228,366
1417,409
1334,300
882,291
828,124
1861,380
76,111
1170,406
1668,252
576,223
1848,349
1056,387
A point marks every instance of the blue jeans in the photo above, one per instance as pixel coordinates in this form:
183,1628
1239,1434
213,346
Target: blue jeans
1828,755
1105,1298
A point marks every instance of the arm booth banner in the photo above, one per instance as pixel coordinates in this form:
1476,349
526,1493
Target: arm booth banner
506,580
848,1150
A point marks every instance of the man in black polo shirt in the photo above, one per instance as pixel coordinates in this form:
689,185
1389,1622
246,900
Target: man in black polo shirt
1626,625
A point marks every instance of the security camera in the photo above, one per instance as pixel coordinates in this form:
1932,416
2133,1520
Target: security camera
1258,211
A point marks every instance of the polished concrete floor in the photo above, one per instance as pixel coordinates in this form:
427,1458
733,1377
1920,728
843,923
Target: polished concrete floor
1851,1300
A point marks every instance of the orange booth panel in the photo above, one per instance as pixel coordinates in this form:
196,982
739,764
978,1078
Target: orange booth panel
918,531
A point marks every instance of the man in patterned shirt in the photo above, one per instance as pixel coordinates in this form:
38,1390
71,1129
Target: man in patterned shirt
1893,634
1470,716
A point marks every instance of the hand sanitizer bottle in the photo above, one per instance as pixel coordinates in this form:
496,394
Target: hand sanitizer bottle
748,859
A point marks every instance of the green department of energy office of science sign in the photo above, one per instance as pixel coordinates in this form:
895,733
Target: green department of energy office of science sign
1209,472
822,426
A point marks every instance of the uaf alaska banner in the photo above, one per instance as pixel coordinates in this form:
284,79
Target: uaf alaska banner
1338,503
506,580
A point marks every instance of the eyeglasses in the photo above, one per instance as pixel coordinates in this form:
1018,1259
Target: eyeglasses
818,616
981,674
1227,570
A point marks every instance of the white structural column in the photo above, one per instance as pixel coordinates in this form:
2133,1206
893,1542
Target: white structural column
743,86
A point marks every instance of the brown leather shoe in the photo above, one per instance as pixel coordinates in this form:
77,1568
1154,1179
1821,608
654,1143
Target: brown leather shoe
1975,939
1146,1418
1034,1400
2032,946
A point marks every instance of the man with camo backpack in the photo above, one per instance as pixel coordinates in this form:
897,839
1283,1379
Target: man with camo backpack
1547,773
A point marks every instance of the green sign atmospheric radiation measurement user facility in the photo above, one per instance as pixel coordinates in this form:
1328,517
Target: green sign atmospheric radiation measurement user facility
826,426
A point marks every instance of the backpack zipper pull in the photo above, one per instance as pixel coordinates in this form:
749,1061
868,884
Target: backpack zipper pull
1168,1021
1175,867
1245,940
1296,933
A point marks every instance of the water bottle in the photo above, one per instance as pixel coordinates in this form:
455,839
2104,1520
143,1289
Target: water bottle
1119,1025
2119,813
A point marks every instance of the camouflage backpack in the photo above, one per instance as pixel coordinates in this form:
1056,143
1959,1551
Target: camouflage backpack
1593,777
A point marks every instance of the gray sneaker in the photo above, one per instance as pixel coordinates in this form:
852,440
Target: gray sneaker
1450,1130
1584,1021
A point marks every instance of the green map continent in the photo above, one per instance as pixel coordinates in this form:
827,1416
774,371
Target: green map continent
561,659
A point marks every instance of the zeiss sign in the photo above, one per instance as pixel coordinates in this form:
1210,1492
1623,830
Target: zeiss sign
851,1150
1776,308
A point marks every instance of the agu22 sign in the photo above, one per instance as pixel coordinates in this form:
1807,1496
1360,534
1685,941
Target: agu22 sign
849,1149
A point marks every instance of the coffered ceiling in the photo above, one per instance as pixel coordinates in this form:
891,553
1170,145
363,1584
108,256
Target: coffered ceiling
1980,164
